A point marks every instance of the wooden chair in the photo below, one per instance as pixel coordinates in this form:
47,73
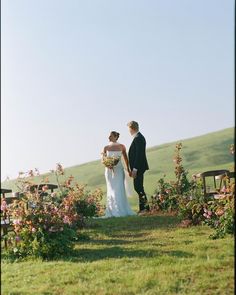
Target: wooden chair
231,175
39,187
6,222
5,219
214,175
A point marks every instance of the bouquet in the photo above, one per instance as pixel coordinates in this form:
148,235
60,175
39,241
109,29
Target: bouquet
110,162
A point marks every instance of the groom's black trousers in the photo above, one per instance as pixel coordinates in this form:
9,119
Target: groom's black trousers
138,186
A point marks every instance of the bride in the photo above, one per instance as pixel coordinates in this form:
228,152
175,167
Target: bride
117,204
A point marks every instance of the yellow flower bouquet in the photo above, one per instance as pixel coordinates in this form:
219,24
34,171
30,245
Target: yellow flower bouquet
110,161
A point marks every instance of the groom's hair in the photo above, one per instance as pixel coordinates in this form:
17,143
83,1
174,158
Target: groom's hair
133,125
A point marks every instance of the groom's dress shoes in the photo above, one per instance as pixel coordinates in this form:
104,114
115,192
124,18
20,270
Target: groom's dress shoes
147,208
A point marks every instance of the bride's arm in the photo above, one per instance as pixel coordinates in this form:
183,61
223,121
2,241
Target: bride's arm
103,153
125,158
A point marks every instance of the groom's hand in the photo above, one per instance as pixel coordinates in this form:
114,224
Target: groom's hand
134,173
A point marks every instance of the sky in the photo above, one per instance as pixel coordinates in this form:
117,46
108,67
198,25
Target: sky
73,70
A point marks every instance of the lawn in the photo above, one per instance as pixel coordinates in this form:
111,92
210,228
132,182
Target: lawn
131,255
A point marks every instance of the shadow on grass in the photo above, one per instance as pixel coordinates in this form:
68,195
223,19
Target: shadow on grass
118,232
115,252
132,224
91,255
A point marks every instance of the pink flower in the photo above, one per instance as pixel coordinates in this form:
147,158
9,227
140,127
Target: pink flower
216,197
219,212
209,213
33,230
44,188
223,190
17,238
17,222
31,173
3,206
66,219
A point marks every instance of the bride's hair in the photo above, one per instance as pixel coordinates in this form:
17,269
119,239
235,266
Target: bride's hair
116,134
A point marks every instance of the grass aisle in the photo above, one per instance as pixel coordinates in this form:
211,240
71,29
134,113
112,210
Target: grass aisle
132,255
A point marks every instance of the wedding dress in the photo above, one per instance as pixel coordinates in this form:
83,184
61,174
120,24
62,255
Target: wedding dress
117,189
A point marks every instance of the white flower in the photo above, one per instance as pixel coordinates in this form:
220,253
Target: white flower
15,250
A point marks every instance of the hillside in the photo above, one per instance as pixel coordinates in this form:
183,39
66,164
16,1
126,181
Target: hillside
202,153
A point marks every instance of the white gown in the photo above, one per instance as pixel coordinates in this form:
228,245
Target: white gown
117,203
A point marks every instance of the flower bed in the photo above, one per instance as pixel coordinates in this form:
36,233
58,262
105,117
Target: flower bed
46,224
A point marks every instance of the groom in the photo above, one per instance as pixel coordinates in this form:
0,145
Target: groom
138,163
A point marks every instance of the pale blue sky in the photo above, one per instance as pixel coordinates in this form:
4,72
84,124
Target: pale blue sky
74,70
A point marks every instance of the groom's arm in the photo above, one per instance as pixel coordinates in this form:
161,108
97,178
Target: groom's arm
138,155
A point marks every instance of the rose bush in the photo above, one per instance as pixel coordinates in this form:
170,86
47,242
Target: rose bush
46,224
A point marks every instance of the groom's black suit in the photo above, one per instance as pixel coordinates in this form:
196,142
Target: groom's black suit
138,160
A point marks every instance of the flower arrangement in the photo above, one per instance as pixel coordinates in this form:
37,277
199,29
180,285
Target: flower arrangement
110,161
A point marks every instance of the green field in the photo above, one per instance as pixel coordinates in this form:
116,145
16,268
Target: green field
139,254
202,153
132,255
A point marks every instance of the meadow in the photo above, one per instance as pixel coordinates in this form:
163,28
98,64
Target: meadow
149,254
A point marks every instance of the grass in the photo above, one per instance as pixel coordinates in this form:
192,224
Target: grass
131,255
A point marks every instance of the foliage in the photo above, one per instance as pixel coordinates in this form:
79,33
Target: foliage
191,207
164,199
46,224
168,194
187,197
182,185
220,215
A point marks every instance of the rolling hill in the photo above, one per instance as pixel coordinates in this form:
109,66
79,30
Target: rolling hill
202,153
